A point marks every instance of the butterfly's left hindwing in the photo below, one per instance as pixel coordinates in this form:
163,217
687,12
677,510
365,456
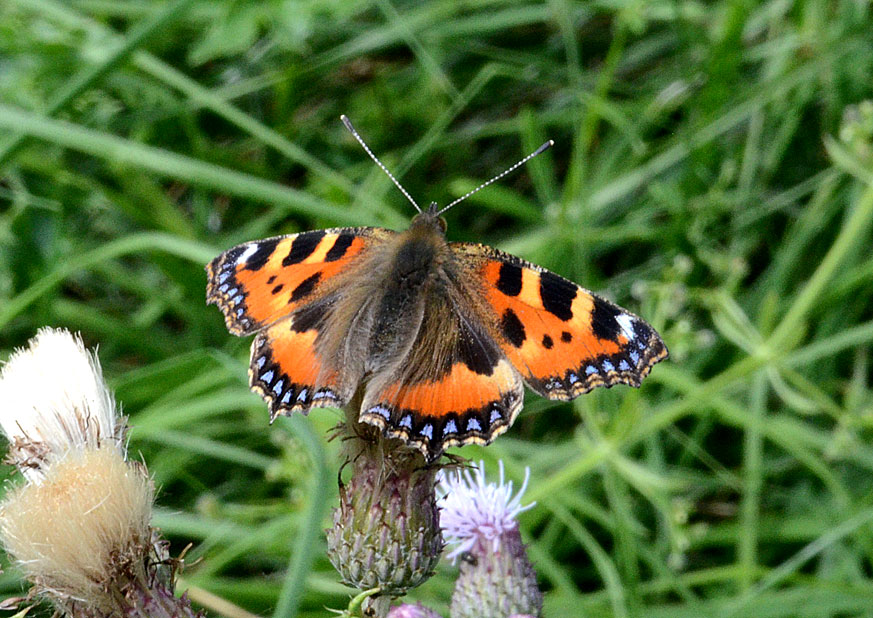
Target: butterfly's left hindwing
563,339
287,372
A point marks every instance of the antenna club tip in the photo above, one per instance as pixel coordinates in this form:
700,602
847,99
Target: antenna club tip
543,148
347,122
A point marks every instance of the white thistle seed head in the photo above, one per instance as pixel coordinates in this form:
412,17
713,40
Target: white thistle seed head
472,510
53,400
79,527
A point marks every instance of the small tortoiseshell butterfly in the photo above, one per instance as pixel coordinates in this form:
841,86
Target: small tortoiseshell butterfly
441,336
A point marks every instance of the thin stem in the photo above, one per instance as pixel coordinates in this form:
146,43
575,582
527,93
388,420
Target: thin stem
355,604
856,225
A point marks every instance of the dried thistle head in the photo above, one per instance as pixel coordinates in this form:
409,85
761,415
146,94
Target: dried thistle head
53,400
79,526
82,527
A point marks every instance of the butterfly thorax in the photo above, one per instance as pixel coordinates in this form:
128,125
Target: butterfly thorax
410,273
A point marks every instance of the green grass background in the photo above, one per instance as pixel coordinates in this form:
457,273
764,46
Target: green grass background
713,172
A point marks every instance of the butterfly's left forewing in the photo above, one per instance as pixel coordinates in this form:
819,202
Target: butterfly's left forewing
563,339
259,282
284,288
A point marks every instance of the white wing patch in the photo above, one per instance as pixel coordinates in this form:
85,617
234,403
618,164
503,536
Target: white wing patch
245,255
626,322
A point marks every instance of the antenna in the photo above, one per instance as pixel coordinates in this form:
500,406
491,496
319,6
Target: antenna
536,152
361,141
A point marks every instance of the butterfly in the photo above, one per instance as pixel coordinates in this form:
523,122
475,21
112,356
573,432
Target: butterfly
438,337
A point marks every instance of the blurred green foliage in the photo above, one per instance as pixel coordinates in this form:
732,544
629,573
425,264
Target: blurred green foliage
713,172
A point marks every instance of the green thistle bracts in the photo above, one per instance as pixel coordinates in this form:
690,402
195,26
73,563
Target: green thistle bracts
496,582
386,532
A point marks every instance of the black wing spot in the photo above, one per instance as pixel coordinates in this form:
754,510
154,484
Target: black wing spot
566,337
340,246
259,258
603,322
476,352
277,289
557,295
271,279
547,342
512,328
305,288
509,281
302,247
307,318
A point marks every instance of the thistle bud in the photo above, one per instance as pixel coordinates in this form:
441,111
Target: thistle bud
386,530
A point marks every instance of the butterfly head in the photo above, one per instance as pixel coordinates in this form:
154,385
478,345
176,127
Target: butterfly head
430,218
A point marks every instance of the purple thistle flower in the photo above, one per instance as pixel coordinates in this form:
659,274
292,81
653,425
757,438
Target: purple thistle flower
496,578
473,510
412,611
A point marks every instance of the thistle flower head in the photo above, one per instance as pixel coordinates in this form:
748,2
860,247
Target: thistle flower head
473,510
386,532
498,580
53,400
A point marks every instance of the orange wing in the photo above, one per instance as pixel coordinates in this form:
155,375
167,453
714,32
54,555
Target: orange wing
454,387
562,338
287,372
259,282
283,287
